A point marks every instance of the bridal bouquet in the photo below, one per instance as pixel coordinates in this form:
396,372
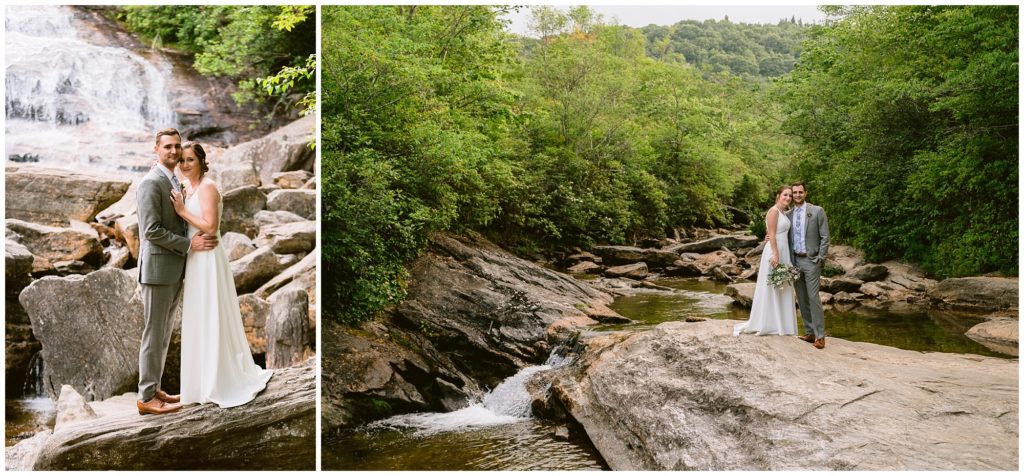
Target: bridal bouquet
782,275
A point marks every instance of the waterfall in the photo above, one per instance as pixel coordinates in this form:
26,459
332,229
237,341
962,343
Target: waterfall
509,402
69,101
34,386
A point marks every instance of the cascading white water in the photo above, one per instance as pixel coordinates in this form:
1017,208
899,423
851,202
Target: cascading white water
509,402
72,103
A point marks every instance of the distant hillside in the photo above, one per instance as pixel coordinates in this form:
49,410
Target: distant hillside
742,49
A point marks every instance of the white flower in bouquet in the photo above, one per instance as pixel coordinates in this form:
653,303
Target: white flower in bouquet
782,275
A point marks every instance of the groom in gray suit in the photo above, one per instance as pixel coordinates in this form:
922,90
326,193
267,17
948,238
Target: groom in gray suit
808,238
162,256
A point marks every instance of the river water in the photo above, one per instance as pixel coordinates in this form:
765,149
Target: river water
491,436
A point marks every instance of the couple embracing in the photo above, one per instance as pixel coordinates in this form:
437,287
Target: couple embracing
796,237
179,226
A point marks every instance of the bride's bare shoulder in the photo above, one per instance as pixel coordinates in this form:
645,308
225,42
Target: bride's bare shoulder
209,187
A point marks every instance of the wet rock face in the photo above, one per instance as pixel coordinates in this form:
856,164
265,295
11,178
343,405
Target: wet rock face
690,396
474,315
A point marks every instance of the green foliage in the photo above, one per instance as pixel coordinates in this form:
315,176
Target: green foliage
436,119
747,50
908,117
251,44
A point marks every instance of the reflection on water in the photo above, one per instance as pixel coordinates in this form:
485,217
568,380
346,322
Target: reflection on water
920,330
25,417
524,445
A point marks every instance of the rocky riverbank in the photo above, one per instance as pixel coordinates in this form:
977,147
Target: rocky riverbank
474,315
849,281
691,396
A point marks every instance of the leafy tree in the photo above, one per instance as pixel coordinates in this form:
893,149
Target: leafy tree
908,117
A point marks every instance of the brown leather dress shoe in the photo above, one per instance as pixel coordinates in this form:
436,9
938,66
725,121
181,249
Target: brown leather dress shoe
820,343
155,406
166,397
809,338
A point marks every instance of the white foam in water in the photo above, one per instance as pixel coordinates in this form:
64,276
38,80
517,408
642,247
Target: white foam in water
509,402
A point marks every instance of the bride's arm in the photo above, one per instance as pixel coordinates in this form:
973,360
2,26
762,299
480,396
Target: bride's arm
210,198
773,223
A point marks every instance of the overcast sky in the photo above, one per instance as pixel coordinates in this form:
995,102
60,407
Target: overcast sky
638,16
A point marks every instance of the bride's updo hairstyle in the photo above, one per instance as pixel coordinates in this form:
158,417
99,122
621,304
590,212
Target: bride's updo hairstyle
200,154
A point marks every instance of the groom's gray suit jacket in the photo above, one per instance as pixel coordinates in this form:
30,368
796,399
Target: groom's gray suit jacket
816,236
164,245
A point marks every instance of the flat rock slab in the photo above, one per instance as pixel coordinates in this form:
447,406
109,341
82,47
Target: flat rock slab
980,292
276,431
53,196
691,396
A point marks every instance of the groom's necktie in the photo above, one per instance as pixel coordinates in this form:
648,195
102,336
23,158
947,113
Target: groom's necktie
175,184
799,228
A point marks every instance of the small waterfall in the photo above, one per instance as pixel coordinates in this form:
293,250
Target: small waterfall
66,98
34,386
509,402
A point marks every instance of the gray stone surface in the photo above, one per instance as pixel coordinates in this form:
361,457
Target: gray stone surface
868,272
236,245
977,292
1000,334
691,396
732,242
299,202
289,238
293,179
619,255
89,327
54,196
76,242
240,207
286,328
632,271
285,149
276,431
254,269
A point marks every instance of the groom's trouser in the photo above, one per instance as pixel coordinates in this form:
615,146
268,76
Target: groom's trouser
807,296
157,302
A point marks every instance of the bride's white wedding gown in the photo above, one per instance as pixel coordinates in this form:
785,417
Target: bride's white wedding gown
773,310
216,364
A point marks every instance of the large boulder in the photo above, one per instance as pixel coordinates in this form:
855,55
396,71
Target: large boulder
80,242
618,255
715,259
289,238
302,273
999,334
254,269
299,202
287,327
240,208
977,292
255,312
742,293
868,272
89,327
275,431
236,245
691,396
732,242
128,229
286,149
264,217
294,179
53,196
845,257
632,271
17,267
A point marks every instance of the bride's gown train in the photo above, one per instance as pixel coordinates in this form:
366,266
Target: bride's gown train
773,310
216,364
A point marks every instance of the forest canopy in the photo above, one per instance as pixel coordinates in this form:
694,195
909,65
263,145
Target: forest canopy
435,118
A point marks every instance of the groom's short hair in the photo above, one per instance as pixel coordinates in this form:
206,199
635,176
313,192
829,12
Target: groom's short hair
799,183
170,131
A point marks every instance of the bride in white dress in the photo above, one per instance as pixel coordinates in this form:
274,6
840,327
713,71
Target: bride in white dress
773,310
216,364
